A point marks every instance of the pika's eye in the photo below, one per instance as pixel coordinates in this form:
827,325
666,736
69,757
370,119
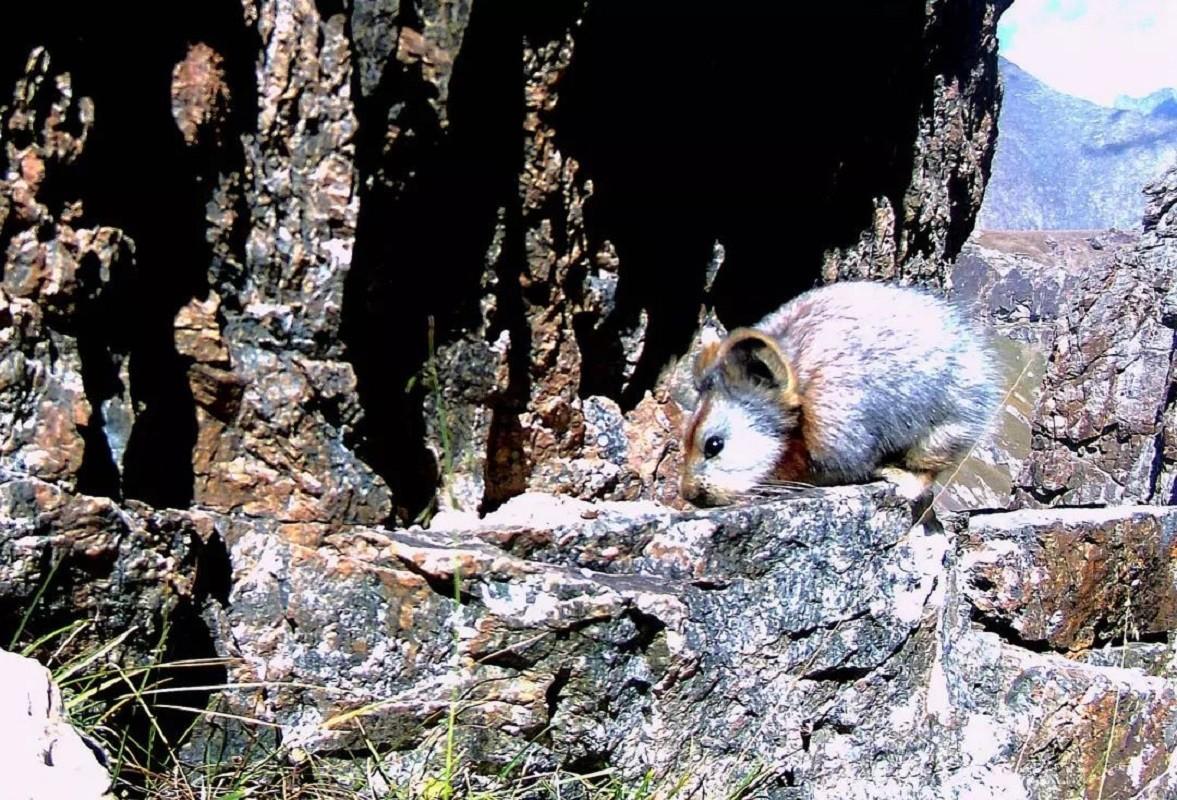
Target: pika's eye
713,446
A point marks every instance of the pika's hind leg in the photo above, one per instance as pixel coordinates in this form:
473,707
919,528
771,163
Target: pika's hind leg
940,449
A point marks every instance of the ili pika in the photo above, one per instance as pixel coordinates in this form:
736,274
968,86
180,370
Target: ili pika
845,383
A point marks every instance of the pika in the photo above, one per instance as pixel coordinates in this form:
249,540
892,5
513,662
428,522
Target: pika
845,383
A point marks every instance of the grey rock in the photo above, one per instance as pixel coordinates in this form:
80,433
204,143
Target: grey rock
41,755
375,26
819,644
1102,425
1160,197
88,557
276,399
655,641
1070,579
1021,285
53,274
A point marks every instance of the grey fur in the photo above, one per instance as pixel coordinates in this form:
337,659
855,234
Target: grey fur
887,375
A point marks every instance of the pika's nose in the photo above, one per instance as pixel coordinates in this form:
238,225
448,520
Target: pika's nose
690,489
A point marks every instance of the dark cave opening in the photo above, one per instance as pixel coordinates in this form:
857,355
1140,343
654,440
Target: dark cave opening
427,216
695,150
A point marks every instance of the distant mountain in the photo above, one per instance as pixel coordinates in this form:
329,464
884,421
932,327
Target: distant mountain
1065,163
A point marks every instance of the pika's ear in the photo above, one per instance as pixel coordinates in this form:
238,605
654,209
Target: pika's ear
752,358
710,341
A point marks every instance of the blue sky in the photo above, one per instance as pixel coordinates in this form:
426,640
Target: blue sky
1095,49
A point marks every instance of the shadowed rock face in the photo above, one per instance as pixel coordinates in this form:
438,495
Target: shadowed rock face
352,256
273,277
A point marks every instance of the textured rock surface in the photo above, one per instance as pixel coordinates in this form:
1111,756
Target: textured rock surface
1102,426
53,279
1022,284
124,569
821,644
805,639
1070,579
1024,281
42,756
912,234
272,417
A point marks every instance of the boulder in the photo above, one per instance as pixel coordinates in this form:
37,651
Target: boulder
42,756
832,642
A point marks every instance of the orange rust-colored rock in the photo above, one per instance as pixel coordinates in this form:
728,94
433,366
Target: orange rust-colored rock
200,95
54,274
198,332
654,429
1070,579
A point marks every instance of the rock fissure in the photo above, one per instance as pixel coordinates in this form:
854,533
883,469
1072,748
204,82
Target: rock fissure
1009,635
826,627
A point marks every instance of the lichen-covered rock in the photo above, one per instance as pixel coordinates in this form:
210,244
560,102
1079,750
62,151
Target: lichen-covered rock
41,756
276,402
87,557
548,646
1101,428
1071,579
1048,587
821,643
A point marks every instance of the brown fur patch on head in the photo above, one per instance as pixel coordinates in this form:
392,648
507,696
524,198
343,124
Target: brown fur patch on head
752,359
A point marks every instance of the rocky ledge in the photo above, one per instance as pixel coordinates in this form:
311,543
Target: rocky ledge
828,643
